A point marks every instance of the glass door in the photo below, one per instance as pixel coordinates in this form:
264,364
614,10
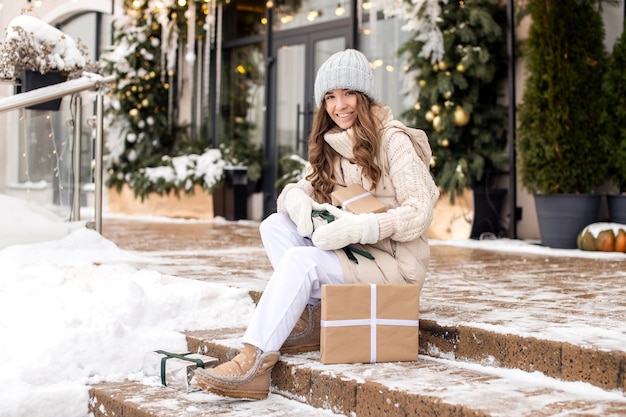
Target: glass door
296,66
295,58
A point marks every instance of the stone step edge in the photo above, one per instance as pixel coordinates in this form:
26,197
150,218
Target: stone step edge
136,399
430,386
324,390
559,360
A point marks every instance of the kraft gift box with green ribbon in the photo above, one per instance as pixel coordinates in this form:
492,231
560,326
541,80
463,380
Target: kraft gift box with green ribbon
368,323
176,369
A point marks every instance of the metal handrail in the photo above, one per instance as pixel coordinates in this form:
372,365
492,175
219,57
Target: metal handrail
44,94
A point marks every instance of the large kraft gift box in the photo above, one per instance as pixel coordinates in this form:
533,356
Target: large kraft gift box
356,199
367,323
176,369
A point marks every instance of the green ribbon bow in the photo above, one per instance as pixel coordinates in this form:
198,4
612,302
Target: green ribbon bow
349,250
169,355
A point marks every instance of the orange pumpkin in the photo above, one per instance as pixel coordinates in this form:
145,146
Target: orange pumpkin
605,237
620,241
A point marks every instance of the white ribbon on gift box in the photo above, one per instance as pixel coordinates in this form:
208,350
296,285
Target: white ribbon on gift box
372,322
355,198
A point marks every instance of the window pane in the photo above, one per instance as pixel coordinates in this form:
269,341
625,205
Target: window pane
242,95
379,40
292,14
243,18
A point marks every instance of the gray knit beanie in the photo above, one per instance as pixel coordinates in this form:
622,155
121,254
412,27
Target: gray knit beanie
347,69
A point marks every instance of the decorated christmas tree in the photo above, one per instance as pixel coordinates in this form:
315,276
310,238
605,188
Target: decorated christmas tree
458,64
144,131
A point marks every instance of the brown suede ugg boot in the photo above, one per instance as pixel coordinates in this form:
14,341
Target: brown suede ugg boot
305,336
246,376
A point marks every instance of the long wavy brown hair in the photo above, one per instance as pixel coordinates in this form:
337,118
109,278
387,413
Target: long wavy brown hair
322,156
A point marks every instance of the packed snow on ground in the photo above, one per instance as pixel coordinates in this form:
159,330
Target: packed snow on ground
73,312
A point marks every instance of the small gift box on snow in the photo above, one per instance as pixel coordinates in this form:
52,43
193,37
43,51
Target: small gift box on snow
368,323
356,199
176,369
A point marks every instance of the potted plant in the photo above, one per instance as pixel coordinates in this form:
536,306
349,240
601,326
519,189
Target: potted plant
37,54
562,155
615,114
458,84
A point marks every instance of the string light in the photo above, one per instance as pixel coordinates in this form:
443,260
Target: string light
340,10
312,15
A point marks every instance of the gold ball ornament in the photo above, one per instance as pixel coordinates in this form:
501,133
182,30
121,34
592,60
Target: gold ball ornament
447,95
429,116
437,124
435,108
417,106
445,143
461,117
436,67
443,66
460,68
422,83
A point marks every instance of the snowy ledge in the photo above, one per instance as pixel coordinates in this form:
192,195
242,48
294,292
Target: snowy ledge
526,247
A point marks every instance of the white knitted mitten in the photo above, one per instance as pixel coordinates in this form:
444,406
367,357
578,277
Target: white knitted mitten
299,206
347,228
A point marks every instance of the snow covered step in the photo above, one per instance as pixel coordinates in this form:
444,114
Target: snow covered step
561,360
134,399
430,386
603,368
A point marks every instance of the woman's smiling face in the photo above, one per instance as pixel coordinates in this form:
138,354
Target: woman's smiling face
341,107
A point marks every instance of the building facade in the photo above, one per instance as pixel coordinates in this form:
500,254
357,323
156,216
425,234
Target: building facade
252,75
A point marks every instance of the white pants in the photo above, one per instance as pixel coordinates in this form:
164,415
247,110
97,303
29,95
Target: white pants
300,269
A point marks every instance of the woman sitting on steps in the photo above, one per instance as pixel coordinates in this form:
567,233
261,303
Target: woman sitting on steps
354,140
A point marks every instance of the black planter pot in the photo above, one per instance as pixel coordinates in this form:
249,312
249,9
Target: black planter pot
32,80
487,209
617,208
230,200
563,216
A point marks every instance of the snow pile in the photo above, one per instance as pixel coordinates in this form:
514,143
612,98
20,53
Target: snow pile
34,45
73,312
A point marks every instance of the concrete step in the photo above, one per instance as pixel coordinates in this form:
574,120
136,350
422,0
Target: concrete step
137,399
560,360
430,386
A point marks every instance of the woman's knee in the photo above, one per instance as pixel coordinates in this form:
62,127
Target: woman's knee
274,221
